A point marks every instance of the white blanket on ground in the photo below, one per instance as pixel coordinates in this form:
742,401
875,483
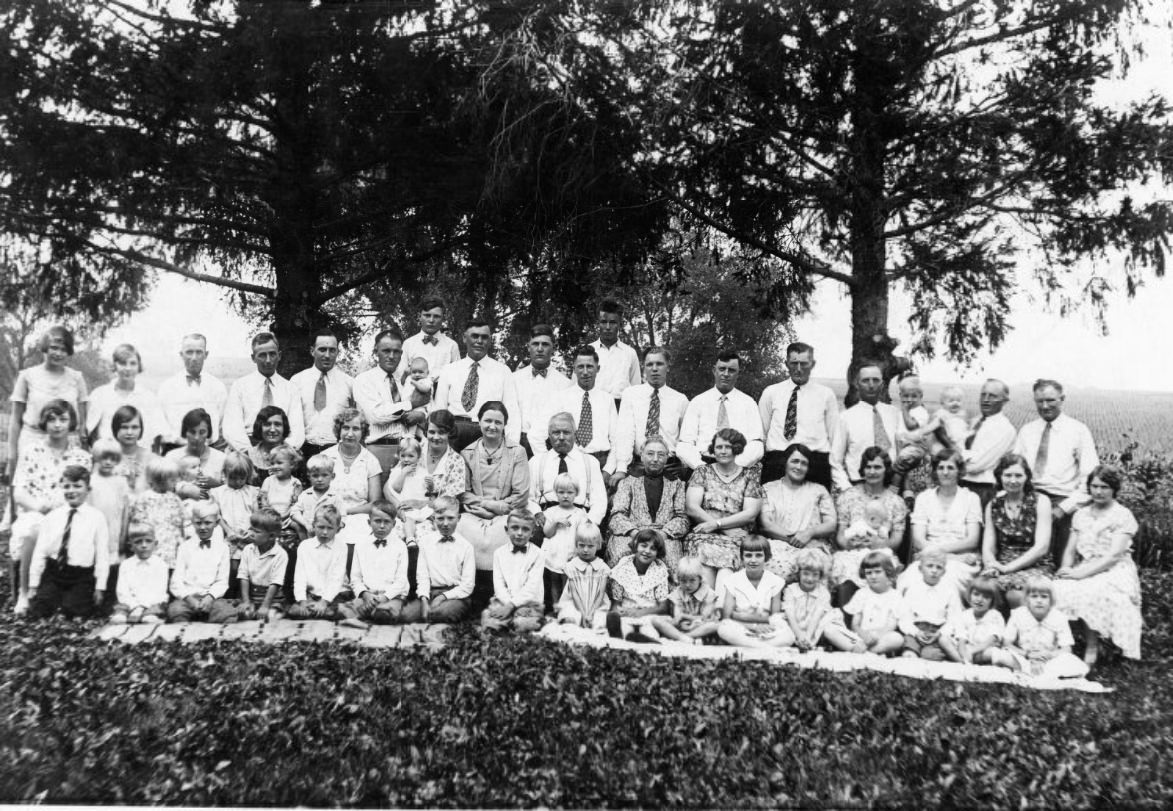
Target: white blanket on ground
824,660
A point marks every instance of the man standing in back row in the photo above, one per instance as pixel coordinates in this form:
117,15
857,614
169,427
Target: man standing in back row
472,381
990,437
193,388
324,390
866,424
618,362
258,389
1061,454
538,385
723,406
799,411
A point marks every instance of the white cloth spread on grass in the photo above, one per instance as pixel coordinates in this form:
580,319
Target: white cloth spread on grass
823,660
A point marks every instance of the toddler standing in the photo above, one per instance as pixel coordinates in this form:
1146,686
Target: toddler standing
161,509
279,490
110,494
408,485
237,500
320,469
584,600
562,521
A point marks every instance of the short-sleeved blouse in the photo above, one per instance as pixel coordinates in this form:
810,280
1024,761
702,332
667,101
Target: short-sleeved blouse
630,589
726,497
798,508
39,471
352,479
946,523
36,386
107,399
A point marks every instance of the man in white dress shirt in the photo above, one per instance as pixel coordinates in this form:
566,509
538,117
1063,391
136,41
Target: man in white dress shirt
797,411
324,390
990,437
193,388
593,409
538,384
1062,454
258,389
472,381
618,362
722,406
429,343
565,457
868,423
652,408
385,402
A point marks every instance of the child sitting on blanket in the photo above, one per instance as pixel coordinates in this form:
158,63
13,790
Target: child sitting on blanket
517,579
639,588
875,611
142,583
928,604
807,606
695,609
970,636
202,567
378,573
1038,637
319,570
586,582
752,613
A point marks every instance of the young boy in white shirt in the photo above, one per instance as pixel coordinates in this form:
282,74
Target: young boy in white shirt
517,579
319,577
202,567
142,581
378,573
446,572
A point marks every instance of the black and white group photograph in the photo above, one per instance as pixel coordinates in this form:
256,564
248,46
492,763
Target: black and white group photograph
576,404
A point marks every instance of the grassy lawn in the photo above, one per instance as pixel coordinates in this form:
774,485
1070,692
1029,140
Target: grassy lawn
507,722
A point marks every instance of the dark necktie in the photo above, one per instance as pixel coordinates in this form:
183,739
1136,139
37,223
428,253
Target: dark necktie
206,544
468,397
267,396
394,388
320,393
63,552
1041,456
653,426
519,550
790,428
380,543
539,373
562,463
586,426
193,380
880,433
722,414
431,339
973,434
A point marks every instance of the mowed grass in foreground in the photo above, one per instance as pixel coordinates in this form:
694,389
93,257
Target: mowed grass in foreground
521,721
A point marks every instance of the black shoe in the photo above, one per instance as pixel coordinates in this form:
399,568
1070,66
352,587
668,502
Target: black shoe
636,636
614,626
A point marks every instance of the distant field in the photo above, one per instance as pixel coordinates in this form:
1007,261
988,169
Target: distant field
1111,415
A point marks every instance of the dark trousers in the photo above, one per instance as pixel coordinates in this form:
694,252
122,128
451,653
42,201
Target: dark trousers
68,589
1060,530
413,559
985,492
482,592
309,449
466,433
819,471
553,583
524,443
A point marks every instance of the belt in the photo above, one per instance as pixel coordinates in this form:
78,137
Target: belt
385,440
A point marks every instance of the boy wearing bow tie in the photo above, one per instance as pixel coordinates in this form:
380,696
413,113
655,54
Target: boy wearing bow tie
517,579
446,572
201,567
378,574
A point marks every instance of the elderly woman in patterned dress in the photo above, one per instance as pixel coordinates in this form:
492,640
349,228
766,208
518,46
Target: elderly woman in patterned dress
723,499
796,515
1016,541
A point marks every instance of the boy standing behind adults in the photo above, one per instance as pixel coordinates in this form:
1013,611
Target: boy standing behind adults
258,389
429,343
618,362
538,386
324,390
1062,454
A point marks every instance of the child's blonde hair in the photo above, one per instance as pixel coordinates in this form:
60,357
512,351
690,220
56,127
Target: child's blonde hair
588,531
563,481
287,450
237,462
931,554
880,560
106,449
320,461
1040,583
205,508
814,560
330,512
953,390
419,359
444,502
910,384
410,443
689,566
162,474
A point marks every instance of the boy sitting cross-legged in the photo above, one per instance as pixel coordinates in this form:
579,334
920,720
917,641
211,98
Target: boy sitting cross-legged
446,572
260,574
378,573
319,576
142,582
201,567
517,579
72,557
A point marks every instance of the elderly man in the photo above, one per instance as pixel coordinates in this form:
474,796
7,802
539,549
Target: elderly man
990,437
472,381
593,409
538,386
385,402
866,424
649,502
193,388
797,410
324,390
650,409
722,406
258,389
1062,454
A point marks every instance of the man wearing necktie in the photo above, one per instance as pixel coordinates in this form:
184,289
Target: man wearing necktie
990,437
593,409
565,457
538,385
384,402
723,406
472,381
430,343
254,391
798,411
190,389
325,390
868,423
653,408
1062,454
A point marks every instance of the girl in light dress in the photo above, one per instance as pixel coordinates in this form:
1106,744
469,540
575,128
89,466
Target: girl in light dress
161,509
806,605
237,500
752,613
279,490
876,610
1038,637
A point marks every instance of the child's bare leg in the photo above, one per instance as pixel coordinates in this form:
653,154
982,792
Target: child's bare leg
838,639
733,632
889,642
666,627
1001,658
1092,652
783,637
703,630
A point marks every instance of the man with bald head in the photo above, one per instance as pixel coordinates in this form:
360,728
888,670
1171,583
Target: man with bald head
990,437
192,388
